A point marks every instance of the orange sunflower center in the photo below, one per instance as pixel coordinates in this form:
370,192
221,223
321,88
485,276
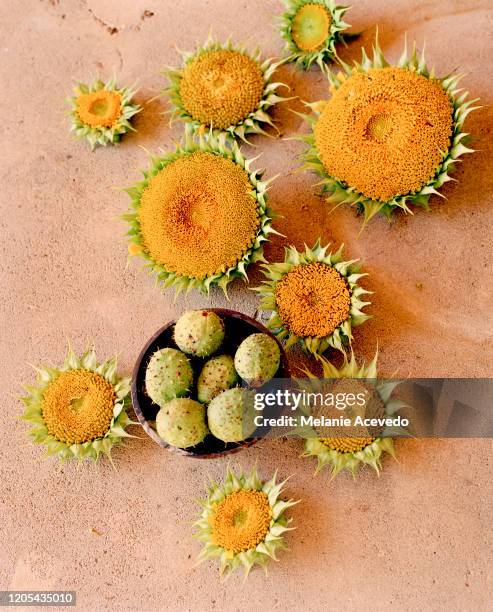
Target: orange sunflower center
384,132
313,300
310,27
78,406
241,520
198,216
221,88
99,108
347,445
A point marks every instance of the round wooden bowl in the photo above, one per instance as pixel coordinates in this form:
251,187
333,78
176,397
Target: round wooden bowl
237,327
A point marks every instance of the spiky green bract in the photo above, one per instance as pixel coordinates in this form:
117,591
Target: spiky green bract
338,192
349,270
218,146
252,124
101,135
371,454
273,541
93,449
328,52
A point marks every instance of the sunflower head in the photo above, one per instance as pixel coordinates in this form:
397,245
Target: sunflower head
389,136
225,89
332,449
312,29
200,216
242,522
101,112
78,410
314,298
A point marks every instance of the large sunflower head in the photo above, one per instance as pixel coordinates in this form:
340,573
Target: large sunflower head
242,522
199,217
78,410
389,135
314,298
338,452
224,88
312,29
101,112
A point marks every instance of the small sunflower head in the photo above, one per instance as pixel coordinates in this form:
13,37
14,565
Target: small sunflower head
242,522
314,298
78,410
333,447
199,217
225,89
389,135
101,112
312,29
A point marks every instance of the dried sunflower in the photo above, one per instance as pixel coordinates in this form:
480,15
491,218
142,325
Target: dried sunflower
242,522
348,453
101,112
314,297
200,215
223,87
389,135
312,29
78,410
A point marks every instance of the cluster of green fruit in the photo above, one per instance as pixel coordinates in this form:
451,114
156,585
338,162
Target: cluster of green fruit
216,404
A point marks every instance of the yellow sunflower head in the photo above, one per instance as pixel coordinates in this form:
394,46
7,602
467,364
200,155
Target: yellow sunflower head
314,297
337,447
242,522
200,216
101,112
312,29
78,410
224,89
388,136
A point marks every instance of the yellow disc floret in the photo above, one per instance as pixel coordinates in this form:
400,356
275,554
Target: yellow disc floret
347,445
99,108
384,132
198,215
241,520
313,300
78,406
220,88
310,27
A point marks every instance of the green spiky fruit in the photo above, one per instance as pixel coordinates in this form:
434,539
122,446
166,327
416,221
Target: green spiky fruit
78,410
242,522
168,375
199,218
312,29
389,136
101,112
217,375
349,453
224,89
314,298
257,359
181,422
231,415
199,332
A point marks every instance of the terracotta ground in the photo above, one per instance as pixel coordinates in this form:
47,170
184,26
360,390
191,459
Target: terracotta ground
414,539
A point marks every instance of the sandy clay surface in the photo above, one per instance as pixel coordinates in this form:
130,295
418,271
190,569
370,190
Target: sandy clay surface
415,538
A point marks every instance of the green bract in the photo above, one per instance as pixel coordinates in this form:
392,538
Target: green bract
340,192
109,133
218,146
232,98
325,49
93,447
348,270
242,522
